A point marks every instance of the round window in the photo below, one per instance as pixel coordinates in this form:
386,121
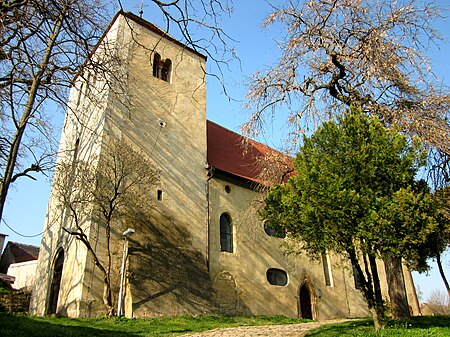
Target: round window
277,233
277,277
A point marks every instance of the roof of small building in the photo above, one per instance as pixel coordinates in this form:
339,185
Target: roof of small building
7,279
21,252
245,158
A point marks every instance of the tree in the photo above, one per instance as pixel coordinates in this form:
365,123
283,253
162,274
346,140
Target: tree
44,44
354,193
361,53
438,303
99,194
439,240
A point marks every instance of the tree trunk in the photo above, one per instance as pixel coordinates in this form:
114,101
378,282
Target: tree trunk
441,271
107,297
379,305
371,287
396,287
107,293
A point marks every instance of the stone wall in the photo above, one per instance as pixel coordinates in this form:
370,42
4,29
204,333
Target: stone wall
16,301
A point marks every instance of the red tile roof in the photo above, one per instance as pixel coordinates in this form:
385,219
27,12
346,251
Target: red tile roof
227,153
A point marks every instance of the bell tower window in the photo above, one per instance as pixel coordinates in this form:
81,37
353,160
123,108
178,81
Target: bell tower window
162,69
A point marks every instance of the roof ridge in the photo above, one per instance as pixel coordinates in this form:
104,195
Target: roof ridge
151,26
22,244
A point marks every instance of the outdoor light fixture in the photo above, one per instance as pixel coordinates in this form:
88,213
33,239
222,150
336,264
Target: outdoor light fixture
129,231
125,234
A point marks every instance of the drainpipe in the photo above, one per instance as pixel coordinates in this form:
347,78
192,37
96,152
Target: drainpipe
210,174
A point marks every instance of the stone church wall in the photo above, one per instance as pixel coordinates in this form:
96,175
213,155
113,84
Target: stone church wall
243,272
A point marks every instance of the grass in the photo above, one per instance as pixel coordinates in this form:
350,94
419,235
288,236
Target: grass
436,326
28,326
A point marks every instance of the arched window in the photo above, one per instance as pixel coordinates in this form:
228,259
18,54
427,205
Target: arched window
226,234
277,277
327,270
166,70
156,61
56,282
277,233
162,69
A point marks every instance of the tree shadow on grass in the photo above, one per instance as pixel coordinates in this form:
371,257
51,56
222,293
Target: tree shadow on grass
423,322
26,326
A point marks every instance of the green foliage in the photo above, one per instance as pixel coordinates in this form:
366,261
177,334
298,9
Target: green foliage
27,326
4,288
355,194
439,240
438,326
355,181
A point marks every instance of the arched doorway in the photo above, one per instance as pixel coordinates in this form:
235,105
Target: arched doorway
305,303
56,282
226,295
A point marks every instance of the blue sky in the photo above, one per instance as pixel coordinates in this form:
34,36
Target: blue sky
27,202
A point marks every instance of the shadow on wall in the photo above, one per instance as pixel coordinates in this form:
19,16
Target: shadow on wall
166,274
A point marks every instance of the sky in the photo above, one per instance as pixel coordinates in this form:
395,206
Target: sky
27,202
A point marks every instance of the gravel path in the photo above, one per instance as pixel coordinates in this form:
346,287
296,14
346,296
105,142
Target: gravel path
286,330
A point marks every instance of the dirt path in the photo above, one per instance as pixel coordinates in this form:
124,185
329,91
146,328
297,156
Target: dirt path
286,330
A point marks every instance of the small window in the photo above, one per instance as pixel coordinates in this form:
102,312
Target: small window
166,70
75,151
226,234
277,233
327,270
156,62
277,277
159,195
162,69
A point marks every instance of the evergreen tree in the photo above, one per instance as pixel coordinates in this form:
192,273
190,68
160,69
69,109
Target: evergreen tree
355,193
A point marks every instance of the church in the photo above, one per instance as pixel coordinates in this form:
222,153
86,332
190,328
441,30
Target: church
199,246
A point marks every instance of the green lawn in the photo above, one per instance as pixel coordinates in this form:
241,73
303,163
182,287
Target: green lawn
26,326
436,326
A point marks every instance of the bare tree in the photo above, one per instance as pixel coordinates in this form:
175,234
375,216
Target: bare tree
100,194
438,303
44,44
354,53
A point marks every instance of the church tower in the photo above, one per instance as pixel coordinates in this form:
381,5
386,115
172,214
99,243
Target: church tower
152,95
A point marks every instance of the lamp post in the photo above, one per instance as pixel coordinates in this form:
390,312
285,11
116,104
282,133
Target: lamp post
127,233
